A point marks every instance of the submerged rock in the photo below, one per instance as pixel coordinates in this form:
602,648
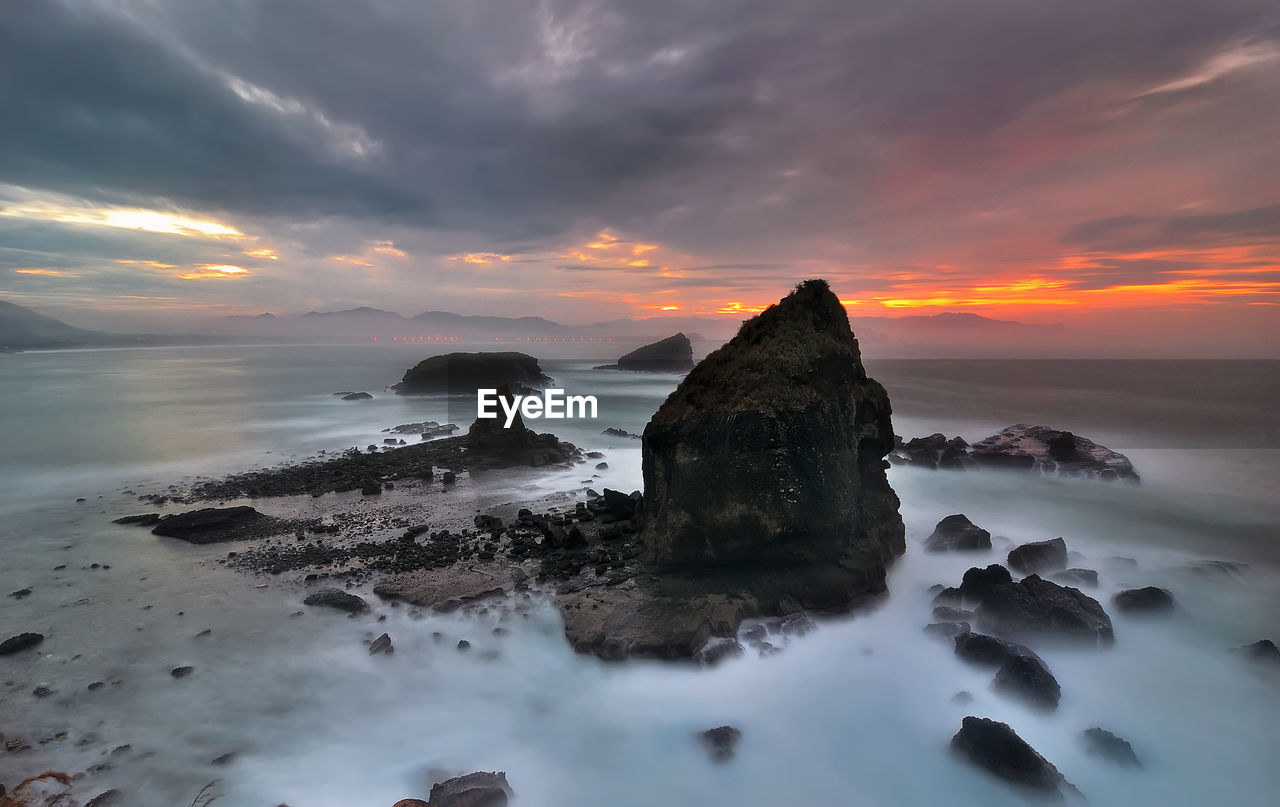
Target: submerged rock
1077,577
23,641
957,532
721,742
1039,557
464,373
1263,650
1101,743
1147,600
1027,678
213,524
671,355
998,749
1036,607
357,396
473,790
339,599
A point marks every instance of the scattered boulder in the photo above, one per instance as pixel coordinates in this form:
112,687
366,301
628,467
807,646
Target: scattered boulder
978,582
1146,600
357,396
933,452
1039,557
464,373
214,524
949,613
23,641
671,355
1101,743
1037,607
998,749
382,645
339,599
1027,678
182,672
473,790
720,742
1263,650
957,533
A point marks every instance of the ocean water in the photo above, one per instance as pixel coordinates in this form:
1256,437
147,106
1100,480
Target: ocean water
857,712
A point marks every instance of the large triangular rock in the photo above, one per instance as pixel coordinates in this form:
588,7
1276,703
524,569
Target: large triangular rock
771,453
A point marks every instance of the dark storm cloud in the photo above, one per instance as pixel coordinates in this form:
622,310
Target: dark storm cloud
518,119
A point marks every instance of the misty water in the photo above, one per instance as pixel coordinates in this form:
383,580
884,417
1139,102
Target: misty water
856,712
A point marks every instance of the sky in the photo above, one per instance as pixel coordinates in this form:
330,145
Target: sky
1087,162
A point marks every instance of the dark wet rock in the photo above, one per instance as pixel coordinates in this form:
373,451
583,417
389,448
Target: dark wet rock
620,506
464,373
23,641
473,790
339,599
214,524
996,748
989,651
382,645
371,489
357,396
1027,678
1077,577
448,478
933,452
1039,557
1101,743
1037,607
141,520
1051,452
1263,650
182,672
957,532
108,798
720,742
223,759
949,595
765,492
42,691
949,613
464,645
21,593
718,651
1147,600
979,582
427,429
947,630
671,355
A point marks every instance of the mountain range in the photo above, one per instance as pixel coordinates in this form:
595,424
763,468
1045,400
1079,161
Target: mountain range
937,335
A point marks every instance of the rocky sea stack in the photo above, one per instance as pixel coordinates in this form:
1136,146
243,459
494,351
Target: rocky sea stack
770,454
671,355
764,491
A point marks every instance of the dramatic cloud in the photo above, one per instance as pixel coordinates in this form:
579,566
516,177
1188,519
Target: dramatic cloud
600,158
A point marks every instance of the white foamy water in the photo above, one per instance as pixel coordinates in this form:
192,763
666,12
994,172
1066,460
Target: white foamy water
857,712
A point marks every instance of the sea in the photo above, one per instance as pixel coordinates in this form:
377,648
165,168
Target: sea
292,709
